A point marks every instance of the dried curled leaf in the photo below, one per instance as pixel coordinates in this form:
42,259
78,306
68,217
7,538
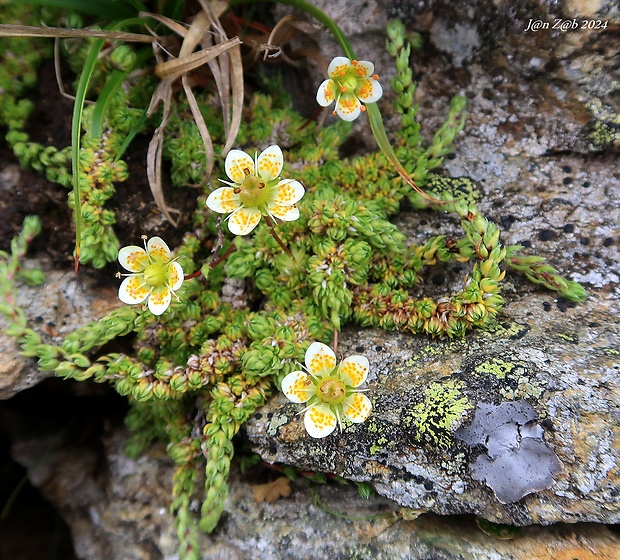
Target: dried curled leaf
270,492
224,60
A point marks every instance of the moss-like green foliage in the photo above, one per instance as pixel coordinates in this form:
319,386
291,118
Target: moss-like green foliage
199,371
437,416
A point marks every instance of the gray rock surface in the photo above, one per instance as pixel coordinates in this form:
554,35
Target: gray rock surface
118,510
565,364
66,303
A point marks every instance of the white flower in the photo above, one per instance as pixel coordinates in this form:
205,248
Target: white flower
350,82
329,390
154,275
255,190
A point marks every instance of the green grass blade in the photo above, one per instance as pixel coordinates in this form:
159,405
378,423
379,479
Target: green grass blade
76,129
112,85
108,9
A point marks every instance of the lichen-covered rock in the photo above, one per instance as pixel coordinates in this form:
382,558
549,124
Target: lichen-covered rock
117,509
564,364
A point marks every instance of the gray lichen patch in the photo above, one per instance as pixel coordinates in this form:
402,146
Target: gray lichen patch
517,461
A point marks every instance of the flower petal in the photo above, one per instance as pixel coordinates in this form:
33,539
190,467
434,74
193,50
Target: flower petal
348,107
366,67
223,200
159,300
236,162
369,90
338,67
319,421
297,387
288,192
320,359
133,258
325,94
175,276
354,370
357,407
285,213
270,163
243,220
133,289
158,250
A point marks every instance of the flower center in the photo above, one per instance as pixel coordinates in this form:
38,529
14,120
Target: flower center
155,275
348,82
331,391
253,191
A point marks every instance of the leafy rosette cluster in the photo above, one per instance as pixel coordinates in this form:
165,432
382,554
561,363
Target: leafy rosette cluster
329,389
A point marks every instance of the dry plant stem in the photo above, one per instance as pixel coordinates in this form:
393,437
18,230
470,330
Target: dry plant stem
199,33
9,30
335,345
272,225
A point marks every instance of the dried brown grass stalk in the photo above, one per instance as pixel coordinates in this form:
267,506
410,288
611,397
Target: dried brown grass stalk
11,30
223,57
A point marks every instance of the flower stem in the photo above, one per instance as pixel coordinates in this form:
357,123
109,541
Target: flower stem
223,257
272,225
374,115
192,275
315,13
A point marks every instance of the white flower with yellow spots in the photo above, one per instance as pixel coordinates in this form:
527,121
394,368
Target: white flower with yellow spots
255,190
154,275
330,391
350,83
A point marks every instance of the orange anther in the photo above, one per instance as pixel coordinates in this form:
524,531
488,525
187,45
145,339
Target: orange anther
363,108
375,76
354,62
343,89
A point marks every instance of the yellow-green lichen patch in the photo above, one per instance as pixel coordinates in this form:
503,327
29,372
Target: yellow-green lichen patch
378,446
431,352
437,416
515,377
461,188
510,330
525,387
497,367
604,131
572,338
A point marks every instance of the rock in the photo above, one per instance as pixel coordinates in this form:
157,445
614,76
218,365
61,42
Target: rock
118,509
56,309
563,363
